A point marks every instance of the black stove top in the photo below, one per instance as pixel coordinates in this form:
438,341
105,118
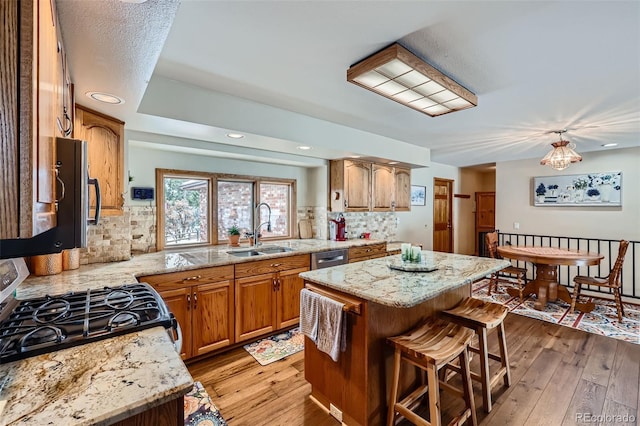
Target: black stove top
50,323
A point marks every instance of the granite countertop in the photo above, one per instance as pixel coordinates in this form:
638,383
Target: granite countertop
373,280
112,379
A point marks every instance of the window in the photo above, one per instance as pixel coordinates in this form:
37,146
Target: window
190,204
186,210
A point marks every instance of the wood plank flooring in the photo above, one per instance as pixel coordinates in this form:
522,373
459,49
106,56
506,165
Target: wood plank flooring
560,376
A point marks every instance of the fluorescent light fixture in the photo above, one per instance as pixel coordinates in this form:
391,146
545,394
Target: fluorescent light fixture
105,97
608,145
235,135
561,155
304,147
399,75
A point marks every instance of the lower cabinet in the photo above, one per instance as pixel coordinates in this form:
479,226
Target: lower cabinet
202,302
267,295
372,251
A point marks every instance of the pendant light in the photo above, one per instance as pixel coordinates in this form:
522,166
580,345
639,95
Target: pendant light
562,154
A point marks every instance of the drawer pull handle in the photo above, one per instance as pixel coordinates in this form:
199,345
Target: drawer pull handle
195,300
368,250
275,265
194,278
188,302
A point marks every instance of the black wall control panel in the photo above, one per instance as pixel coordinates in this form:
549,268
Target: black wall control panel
142,193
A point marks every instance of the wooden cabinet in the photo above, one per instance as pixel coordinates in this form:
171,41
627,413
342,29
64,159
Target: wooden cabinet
373,251
357,186
202,300
350,183
268,295
30,93
105,140
402,192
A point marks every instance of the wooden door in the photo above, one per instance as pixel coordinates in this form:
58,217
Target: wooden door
382,188
357,183
255,306
442,215
402,192
290,285
212,316
105,138
179,303
485,217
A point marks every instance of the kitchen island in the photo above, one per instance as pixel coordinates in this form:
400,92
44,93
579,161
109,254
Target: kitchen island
381,302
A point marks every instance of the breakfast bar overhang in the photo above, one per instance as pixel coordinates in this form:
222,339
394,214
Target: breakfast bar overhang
381,302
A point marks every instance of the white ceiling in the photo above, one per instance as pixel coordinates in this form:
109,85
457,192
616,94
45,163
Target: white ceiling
535,67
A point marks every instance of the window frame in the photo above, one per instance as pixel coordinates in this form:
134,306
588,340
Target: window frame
213,179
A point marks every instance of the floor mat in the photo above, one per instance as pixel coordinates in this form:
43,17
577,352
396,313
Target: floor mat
199,410
276,347
602,320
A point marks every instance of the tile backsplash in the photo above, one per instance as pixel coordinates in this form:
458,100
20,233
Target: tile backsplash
117,238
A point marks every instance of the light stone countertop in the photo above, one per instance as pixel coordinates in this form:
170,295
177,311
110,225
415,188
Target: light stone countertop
374,281
112,379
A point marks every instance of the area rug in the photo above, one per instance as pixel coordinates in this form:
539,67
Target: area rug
602,320
276,347
199,410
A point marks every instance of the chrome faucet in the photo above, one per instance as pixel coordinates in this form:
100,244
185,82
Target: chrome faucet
256,217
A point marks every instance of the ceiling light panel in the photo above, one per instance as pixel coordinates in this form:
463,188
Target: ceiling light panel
398,74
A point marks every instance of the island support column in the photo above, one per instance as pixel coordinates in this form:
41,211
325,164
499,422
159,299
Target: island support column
358,384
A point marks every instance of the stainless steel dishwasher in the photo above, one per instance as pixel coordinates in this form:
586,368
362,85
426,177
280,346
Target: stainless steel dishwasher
327,259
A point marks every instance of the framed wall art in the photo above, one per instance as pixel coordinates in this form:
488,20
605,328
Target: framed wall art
418,195
592,189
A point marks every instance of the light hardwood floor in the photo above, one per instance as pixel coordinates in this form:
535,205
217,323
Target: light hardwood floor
558,375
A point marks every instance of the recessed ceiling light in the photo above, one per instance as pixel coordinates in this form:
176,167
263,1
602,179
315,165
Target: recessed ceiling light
304,147
354,156
607,145
235,135
393,162
105,97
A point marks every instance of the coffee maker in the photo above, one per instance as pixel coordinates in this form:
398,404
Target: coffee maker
338,229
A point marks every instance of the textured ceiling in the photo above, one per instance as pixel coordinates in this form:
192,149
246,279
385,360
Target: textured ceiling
535,66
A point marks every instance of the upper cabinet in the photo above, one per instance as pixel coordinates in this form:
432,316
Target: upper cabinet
105,140
32,75
358,186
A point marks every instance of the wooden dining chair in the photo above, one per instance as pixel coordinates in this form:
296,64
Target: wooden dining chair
611,281
491,240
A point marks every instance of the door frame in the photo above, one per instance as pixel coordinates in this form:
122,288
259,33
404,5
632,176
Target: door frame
449,184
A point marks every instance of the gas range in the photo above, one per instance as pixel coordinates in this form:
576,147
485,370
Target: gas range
40,325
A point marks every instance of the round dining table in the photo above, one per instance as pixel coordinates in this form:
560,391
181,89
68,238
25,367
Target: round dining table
546,260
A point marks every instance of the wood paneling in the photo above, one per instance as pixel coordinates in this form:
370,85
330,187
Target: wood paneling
382,188
168,414
402,193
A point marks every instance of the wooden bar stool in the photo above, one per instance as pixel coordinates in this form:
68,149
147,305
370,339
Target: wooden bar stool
481,317
430,347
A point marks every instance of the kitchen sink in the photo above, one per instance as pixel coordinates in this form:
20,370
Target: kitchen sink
244,253
259,251
274,249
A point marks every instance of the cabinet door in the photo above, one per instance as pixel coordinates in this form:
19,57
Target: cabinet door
178,302
402,192
255,306
357,182
212,311
289,286
382,188
105,137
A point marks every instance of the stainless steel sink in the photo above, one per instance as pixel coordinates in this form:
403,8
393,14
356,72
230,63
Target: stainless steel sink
274,249
244,253
259,251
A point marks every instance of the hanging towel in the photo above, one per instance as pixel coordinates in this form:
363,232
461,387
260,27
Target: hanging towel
309,306
332,327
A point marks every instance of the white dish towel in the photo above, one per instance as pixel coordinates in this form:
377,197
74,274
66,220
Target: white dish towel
322,319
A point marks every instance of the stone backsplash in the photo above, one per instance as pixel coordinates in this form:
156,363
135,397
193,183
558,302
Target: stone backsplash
116,238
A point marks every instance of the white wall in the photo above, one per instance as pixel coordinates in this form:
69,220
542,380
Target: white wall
416,226
514,200
142,163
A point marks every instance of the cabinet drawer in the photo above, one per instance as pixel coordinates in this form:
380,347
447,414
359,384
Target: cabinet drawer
370,251
192,277
272,265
